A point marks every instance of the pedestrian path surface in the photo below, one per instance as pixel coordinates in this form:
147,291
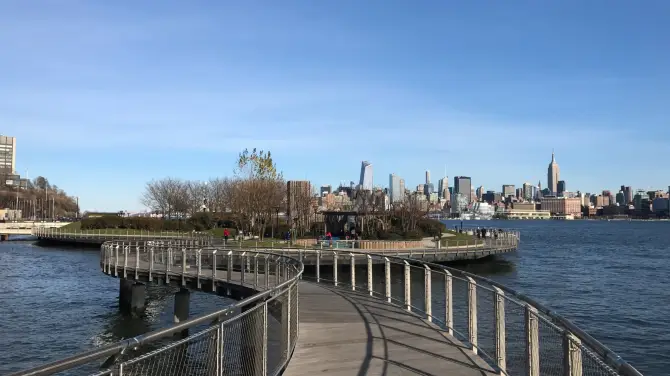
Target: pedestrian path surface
347,333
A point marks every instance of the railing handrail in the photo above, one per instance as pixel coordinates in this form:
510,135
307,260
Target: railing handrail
121,346
607,356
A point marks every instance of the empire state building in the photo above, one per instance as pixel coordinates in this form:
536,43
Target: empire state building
553,175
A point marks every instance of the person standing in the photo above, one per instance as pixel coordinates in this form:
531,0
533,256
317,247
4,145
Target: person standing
226,234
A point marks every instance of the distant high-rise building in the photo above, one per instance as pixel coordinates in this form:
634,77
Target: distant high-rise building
443,187
627,194
620,198
560,188
427,176
519,193
7,155
508,190
463,185
553,175
366,176
396,188
479,192
325,189
528,191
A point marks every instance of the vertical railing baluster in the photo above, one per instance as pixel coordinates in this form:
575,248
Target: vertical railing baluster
532,342
137,261
472,313
125,260
256,270
428,293
198,256
243,264
151,263
370,290
183,266
318,266
229,271
408,289
266,267
352,261
448,301
387,279
335,268
572,355
499,321
214,270
264,347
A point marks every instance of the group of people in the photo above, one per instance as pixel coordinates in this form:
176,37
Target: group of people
492,232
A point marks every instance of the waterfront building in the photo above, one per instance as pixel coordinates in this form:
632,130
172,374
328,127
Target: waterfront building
560,188
525,214
620,198
519,193
463,185
627,194
365,180
7,155
553,175
508,190
562,205
660,206
528,193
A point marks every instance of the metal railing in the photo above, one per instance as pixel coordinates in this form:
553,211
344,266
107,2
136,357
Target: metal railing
106,235
255,336
514,333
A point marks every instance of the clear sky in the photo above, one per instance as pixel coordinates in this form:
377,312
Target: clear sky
106,95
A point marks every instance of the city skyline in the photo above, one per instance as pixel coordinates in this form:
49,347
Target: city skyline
487,94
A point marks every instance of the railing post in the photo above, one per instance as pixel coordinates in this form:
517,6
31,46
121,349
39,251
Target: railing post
264,350
448,302
499,320
243,264
408,290
572,355
199,261
352,262
288,323
137,261
267,271
472,313
318,266
428,293
219,347
151,262
370,290
532,342
167,265
387,279
335,268
256,270
126,250
214,270
277,271
229,271
183,266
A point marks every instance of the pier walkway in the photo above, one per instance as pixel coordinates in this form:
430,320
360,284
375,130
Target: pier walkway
375,315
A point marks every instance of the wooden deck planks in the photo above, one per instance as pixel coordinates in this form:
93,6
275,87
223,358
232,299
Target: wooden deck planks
346,333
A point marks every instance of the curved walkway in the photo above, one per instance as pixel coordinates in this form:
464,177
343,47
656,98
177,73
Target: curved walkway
346,333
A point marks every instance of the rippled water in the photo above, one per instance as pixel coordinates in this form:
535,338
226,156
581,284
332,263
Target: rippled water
55,302
610,278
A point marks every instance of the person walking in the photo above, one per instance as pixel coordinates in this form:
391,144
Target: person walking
226,234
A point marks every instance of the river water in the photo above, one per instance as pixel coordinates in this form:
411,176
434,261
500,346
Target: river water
610,278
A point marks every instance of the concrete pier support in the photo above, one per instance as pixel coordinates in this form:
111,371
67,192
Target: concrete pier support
182,300
132,297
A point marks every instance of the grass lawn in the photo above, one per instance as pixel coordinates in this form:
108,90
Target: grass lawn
458,238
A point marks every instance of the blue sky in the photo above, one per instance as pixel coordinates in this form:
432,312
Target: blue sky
106,95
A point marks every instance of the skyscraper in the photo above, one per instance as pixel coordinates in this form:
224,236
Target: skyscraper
443,187
366,176
553,174
508,190
479,192
560,188
528,191
396,188
463,185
